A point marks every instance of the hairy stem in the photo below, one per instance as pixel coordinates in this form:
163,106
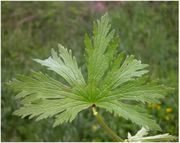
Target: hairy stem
100,120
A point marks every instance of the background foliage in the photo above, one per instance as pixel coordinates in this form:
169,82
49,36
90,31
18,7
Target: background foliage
149,30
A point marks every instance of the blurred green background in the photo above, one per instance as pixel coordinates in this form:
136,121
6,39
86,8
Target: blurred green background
149,30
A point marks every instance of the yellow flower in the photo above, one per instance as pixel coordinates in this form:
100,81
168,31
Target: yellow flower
158,106
154,106
169,110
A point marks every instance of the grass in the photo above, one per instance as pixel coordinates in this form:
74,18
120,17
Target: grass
30,29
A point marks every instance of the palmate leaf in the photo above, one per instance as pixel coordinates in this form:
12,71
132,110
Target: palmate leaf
113,79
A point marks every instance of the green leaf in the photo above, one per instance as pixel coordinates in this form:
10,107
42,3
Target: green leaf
65,65
48,108
69,114
44,97
40,86
131,112
139,91
112,82
98,59
129,69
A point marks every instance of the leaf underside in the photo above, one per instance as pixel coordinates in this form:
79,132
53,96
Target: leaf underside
113,79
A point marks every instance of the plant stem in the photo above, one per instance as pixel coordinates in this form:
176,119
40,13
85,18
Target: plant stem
100,120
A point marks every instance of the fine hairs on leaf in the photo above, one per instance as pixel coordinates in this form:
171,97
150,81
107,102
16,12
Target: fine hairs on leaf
113,81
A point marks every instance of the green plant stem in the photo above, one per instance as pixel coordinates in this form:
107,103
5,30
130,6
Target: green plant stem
100,120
